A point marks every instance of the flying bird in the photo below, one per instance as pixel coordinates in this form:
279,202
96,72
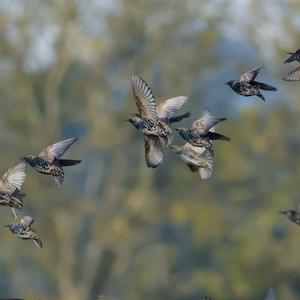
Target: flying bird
25,231
247,86
154,122
293,215
202,131
294,75
49,161
10,188
198,159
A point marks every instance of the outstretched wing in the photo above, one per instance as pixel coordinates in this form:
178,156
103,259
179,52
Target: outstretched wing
206,122
154,153
250,75
169,107
293,75
13,178
144,98
293,56
57,150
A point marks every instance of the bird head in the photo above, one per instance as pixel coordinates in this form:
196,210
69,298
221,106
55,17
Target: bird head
288,213
175,148
182,131
28,159
230,82
27,221
134,120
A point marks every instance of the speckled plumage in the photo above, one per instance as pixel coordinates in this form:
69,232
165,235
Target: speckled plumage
24,230
202,131
197,158
48,162
10,185
247,86
154,122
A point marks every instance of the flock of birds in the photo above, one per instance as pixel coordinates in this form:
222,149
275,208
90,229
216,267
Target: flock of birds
48,162
155,123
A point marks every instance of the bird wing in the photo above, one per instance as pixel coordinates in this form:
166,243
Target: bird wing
154,154
57,150
168,108
250,75
206,122
293,75
144,98
293,56
13,178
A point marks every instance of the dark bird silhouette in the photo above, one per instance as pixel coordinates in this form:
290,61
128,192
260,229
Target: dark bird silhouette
270,295
198,159
49,162
10,186
202,131
294,75
154,122
247,86
25,231
293,215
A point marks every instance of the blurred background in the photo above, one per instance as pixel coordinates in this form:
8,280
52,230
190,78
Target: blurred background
116,229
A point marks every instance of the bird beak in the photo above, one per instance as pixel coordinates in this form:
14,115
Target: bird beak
6,225
282,212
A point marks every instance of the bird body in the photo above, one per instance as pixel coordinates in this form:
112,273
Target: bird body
196,158
153,121
24,231
10,188
202,132
247,86
294,75
48,162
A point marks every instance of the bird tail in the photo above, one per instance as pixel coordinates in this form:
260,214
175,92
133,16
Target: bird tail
39,243
217,136
205,172
264,86
69,162
180,117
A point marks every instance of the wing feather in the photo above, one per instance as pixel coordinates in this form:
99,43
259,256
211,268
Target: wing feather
57,150
13,178
154,153
169,107
144,98
250,75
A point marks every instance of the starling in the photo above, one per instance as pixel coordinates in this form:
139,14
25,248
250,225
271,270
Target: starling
294,75
293,215
247,86
202,131
154,122
270,295
10,188
25,231
197,158
49,162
